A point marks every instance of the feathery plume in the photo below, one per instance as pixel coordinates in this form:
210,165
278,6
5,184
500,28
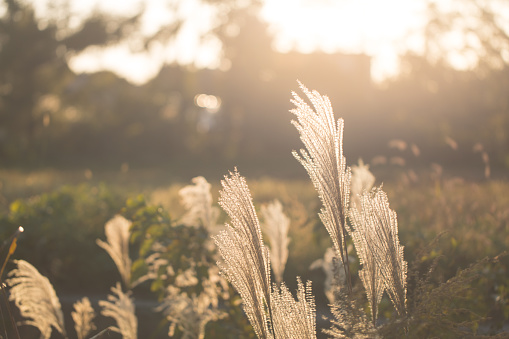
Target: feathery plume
369,274
83,315
375,235
36,299
362,180
276,225
197,200
246,266
190,315
117,246
120,307
246,259
292,318
326,166
334,276
349,320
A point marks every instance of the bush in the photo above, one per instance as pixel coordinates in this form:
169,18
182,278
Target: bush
60,232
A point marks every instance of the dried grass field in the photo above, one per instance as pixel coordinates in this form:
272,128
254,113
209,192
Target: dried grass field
420,255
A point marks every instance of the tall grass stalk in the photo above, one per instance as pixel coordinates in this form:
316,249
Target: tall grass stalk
246,259
83,316
11,317
36,299
117,246
120,307
12,247
375,235
326,166
271,310
276,225
197,201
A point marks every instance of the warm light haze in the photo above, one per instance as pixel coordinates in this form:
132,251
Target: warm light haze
380,29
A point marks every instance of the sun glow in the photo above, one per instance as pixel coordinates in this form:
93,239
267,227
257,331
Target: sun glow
379,29
187,48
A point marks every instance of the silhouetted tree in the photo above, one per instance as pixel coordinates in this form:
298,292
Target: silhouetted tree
34,72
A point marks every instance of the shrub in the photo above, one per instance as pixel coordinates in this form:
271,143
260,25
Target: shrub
61,228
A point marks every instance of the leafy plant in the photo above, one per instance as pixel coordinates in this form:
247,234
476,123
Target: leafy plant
66,220
179,262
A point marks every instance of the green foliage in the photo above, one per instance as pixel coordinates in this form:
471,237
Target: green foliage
180,246
474,218
449,309
444,294
60,232
235,324
35,76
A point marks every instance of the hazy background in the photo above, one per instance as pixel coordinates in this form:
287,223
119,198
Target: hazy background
106,103
198,87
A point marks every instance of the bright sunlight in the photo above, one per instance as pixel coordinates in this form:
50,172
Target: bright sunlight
379,29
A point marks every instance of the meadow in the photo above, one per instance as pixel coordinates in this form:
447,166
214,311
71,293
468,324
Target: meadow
176,207
63,213
431,263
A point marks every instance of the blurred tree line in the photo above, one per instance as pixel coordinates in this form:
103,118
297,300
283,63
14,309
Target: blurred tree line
201,119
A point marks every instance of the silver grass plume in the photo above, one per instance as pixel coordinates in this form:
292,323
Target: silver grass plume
120,307
83,315
334,276
246,259
326,166
375,235
197,200
349,320
369,274
190,314
155,262
247,267
117,246
36,299
362,180
276,225
292,318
